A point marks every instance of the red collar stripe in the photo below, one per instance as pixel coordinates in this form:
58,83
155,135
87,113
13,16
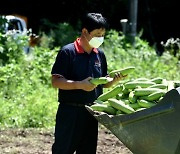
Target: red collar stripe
78,47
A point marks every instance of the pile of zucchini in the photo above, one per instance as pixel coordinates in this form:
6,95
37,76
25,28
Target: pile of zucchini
133,95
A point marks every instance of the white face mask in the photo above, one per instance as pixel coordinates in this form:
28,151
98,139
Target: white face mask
95,42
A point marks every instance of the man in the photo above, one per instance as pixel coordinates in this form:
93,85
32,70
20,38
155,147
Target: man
76,130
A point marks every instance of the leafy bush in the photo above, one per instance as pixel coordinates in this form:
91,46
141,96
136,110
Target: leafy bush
11,47
142,56
26,95
62,33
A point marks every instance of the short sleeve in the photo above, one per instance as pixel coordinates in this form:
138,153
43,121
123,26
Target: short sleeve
61,64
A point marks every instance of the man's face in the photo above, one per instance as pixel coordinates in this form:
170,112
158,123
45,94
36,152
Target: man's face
97,33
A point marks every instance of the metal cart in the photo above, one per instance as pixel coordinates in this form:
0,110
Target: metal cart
155,130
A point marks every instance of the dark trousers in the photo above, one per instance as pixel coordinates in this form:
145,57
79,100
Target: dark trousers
75,130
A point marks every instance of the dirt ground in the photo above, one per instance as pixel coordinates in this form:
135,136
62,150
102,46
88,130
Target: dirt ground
39,141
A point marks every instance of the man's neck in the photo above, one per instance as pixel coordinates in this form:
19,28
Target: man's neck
85,45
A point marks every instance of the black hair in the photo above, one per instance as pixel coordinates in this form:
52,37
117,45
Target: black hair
93,21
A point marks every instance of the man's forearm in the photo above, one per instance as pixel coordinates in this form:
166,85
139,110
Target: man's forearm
62,83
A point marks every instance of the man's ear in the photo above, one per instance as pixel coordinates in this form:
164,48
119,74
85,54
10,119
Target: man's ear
84,30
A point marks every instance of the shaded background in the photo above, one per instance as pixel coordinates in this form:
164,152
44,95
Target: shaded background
157,18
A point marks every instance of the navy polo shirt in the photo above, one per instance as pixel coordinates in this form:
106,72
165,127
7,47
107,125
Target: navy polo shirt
75,64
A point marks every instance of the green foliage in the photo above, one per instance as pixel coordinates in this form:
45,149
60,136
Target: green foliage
33,109
2,24
62,33
142,56
12,46
26,96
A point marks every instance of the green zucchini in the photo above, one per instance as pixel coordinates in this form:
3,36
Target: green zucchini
104,108
176,84
118,112
124,71
171,85
141,79
134,84
120,105
98,102
157,80
140,109
132,97
111,93
146,104
160,86
135,106
145,91
155,96
100,80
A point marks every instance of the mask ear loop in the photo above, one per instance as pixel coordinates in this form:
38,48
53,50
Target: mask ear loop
86,37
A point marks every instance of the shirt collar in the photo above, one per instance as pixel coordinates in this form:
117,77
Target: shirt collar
78,47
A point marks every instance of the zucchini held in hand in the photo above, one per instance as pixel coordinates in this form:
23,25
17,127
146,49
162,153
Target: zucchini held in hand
124,71
100,80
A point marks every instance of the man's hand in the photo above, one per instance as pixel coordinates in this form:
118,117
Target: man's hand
118,77
86,85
